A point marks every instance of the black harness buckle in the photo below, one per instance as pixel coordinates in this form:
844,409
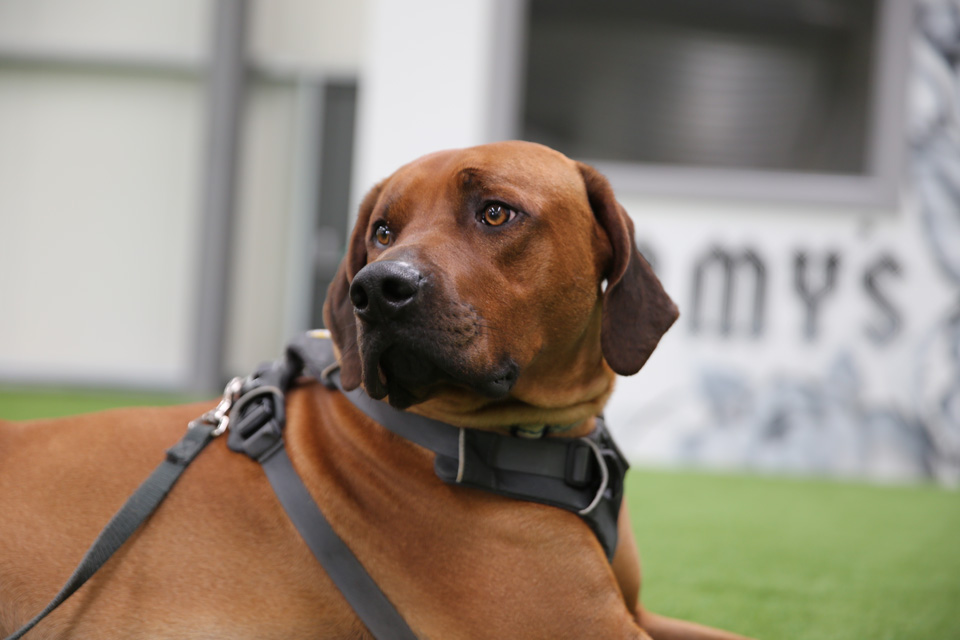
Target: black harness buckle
257,421
582,466
591,457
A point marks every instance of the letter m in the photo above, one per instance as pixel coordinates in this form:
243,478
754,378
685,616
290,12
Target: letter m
718,279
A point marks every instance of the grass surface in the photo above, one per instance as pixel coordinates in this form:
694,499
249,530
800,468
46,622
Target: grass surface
775,558
27,404
795,559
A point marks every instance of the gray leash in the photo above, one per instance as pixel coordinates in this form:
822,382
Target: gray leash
583,475
258,433
131,515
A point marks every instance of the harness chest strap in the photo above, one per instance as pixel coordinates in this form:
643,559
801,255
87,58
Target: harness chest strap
583,475
257,422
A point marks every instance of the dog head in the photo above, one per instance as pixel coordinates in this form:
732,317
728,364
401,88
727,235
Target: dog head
504,275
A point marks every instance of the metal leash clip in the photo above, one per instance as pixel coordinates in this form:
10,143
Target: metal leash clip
220,415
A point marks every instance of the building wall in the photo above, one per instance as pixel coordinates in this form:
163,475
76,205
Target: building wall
849,394
427,82
849,368
98,192
102,140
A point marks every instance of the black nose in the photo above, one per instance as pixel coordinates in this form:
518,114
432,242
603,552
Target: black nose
382,289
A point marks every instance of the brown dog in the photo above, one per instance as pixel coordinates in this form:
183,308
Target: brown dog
473,293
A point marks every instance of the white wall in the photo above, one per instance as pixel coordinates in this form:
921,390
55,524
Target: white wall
255,330
426,82
98,188
102,148
167,28
847,403
840,403
310,34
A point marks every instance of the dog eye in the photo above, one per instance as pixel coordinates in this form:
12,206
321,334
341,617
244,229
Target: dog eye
382,234
496,214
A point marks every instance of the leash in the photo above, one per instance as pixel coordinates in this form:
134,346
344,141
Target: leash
257,407
582,475
143,502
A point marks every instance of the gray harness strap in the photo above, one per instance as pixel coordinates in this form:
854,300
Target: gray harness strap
256,429
132,514
348,574
583,475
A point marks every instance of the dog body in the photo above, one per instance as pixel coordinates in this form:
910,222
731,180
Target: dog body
220,558
496,288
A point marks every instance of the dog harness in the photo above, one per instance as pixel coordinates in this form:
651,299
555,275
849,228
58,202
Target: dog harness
582,475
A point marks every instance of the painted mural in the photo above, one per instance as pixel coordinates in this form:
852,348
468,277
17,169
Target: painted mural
935,141
821,351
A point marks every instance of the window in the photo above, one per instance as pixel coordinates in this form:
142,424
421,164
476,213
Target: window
699,95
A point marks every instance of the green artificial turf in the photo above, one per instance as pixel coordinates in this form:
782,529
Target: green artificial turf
26,404
774,558
791,559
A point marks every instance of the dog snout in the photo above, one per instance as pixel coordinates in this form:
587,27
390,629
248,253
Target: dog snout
382,290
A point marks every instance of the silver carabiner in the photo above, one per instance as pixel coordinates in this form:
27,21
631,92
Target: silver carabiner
222,412
219,416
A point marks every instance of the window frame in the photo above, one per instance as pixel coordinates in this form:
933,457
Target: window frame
878,186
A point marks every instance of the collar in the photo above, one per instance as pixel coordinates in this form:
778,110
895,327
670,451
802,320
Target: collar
582,475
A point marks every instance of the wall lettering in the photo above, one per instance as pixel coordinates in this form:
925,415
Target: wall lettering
812,298
889,327
730,290
732,266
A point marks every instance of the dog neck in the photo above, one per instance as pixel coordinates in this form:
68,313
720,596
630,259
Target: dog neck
517,417
558,394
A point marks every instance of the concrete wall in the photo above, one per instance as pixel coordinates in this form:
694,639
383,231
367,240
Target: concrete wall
852,384
102,141
427,82
850,368
98,196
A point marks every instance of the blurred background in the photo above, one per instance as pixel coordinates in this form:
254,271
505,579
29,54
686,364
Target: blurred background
178,177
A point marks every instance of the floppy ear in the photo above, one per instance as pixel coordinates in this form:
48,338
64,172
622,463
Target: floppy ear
338,309
636,309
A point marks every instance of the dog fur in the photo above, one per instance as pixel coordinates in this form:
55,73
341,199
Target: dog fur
519,324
